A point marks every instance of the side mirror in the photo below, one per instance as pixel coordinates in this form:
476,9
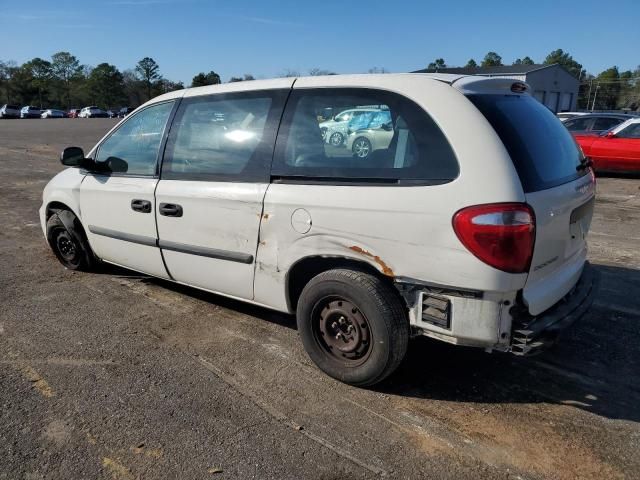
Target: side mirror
72,157
387,127
610,135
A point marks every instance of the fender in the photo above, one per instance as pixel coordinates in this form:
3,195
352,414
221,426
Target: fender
67,218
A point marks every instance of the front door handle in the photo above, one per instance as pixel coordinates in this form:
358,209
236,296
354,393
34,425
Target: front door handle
143,206
170,210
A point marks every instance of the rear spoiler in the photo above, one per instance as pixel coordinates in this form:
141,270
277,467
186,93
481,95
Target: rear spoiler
477,84
473,84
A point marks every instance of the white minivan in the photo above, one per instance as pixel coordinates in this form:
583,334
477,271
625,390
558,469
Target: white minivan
468,226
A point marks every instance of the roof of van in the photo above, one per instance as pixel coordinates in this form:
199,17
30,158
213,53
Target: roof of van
467,84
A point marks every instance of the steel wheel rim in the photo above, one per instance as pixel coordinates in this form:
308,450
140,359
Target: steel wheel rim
342,331
361,148
66,246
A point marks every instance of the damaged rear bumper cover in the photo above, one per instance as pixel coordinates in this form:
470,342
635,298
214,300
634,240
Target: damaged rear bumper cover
533,334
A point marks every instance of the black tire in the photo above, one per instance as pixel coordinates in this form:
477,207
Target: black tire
69,242
368,317
361,147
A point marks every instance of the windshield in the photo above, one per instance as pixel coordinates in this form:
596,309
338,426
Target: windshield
542,150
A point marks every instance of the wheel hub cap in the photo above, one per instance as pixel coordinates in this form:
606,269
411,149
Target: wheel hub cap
66,247
344,330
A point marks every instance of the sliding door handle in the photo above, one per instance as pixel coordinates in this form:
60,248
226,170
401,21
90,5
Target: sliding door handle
170,210
143,206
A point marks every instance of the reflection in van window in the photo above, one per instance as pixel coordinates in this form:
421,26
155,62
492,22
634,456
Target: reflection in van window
374,135
216,136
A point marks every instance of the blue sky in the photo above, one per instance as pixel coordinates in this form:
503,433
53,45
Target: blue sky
265,38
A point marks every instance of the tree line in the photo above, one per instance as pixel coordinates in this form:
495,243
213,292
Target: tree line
63,82
610,89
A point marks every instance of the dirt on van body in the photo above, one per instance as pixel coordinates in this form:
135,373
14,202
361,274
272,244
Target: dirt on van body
117,375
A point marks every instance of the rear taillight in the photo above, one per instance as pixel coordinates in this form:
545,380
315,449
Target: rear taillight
500,234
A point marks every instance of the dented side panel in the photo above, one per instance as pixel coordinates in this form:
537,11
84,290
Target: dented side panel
400,231
223,216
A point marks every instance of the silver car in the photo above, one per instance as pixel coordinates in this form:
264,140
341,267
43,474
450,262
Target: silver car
334,131
369,133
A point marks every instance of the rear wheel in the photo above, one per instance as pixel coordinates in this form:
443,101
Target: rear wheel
361,147
68,241
353,326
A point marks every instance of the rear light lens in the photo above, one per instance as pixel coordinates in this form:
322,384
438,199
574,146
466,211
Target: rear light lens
501,234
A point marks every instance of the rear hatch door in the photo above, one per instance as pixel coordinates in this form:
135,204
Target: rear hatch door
557,185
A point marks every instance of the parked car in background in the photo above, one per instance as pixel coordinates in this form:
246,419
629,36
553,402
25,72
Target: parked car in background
53,113
30,112
595,123
617,150
10,111
73,113
370,132
124,111
564,116
334,131
111,114
92,112
445,233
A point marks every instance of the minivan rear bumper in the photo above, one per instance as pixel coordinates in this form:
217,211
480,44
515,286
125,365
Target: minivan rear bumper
532,334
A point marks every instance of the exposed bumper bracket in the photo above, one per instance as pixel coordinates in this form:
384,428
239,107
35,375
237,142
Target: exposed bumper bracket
533,334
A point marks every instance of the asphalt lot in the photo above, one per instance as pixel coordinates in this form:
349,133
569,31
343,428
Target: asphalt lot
116,375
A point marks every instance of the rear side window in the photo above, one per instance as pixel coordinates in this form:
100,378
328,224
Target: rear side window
605,123
543,151
385,138
225,137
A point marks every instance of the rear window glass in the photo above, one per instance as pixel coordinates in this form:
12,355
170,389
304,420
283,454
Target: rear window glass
542,149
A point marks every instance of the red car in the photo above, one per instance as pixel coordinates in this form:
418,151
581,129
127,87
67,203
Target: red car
617,150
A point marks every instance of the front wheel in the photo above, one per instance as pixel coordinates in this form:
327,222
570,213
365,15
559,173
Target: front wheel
353,326
336,139
68,241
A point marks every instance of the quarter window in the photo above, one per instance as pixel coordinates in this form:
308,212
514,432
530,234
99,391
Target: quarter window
224,137
137,140
387,138
605,123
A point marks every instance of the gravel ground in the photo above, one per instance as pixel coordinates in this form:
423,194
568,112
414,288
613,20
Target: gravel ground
117,375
